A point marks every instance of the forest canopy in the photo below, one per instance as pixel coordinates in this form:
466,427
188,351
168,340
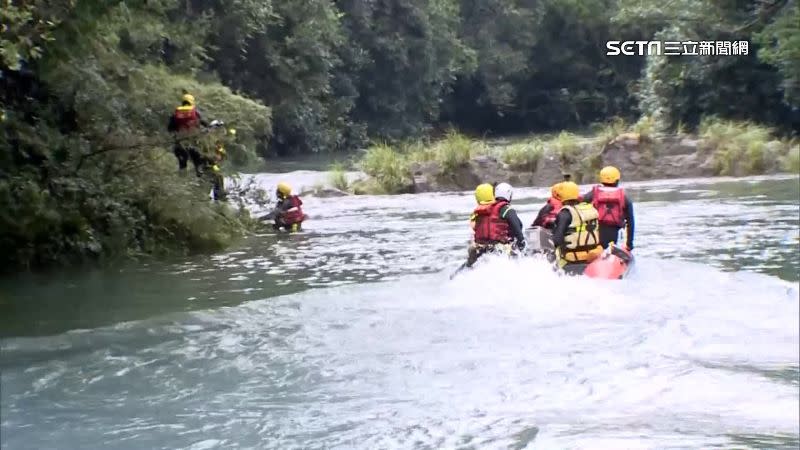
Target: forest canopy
88,85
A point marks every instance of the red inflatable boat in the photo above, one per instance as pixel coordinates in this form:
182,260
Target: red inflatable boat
613,264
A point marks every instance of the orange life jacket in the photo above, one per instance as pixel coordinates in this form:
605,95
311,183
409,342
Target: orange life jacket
490,228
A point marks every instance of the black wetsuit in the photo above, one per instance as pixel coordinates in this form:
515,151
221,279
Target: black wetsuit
563,220
609,233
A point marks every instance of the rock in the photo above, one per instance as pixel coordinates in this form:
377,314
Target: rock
707,167
421,184
485,161
324,192
676,145
626,157
627,139
679,166
488,169
548,171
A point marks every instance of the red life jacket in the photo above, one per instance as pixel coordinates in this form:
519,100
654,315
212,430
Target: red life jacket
294,214
490,228
555,207
610,205
186,118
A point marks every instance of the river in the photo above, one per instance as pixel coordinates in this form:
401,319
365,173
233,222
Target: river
351,335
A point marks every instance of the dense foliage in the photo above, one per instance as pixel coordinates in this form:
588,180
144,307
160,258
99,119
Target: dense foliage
87,87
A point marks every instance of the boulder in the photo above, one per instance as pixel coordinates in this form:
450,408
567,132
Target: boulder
424,176
324,192
548,170
676,145
627,156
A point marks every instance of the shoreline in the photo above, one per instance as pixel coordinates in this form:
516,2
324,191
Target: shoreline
457,163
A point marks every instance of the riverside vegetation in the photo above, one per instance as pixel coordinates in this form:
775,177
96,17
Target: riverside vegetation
86,171
457,162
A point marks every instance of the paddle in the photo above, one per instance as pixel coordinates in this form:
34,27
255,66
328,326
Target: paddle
460,268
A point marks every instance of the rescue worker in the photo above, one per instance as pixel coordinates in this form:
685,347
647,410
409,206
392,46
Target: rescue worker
217,179
497,226
185,122
484,195
547,215
575,235
615,209
288,213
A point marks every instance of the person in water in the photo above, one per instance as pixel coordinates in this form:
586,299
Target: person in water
288,213
615,209
497,226
184,123
547,215
575,235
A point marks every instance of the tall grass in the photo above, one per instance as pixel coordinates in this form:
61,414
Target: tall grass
455,151
388,167
646,127
338,177
524,156
738,148
791,162
609,130
567,147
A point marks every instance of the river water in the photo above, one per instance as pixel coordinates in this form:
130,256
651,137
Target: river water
351,335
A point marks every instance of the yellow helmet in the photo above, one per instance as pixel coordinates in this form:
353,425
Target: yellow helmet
569,191
555,191
284,189
189,98
484,193
609,175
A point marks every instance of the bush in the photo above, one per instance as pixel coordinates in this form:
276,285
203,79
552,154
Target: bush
454,151
388,167
338,177
738,147
791,162
567,147
523,156
115,206
608,131
646,127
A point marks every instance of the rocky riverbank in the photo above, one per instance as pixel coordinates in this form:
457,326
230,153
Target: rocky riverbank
638,159
456,163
